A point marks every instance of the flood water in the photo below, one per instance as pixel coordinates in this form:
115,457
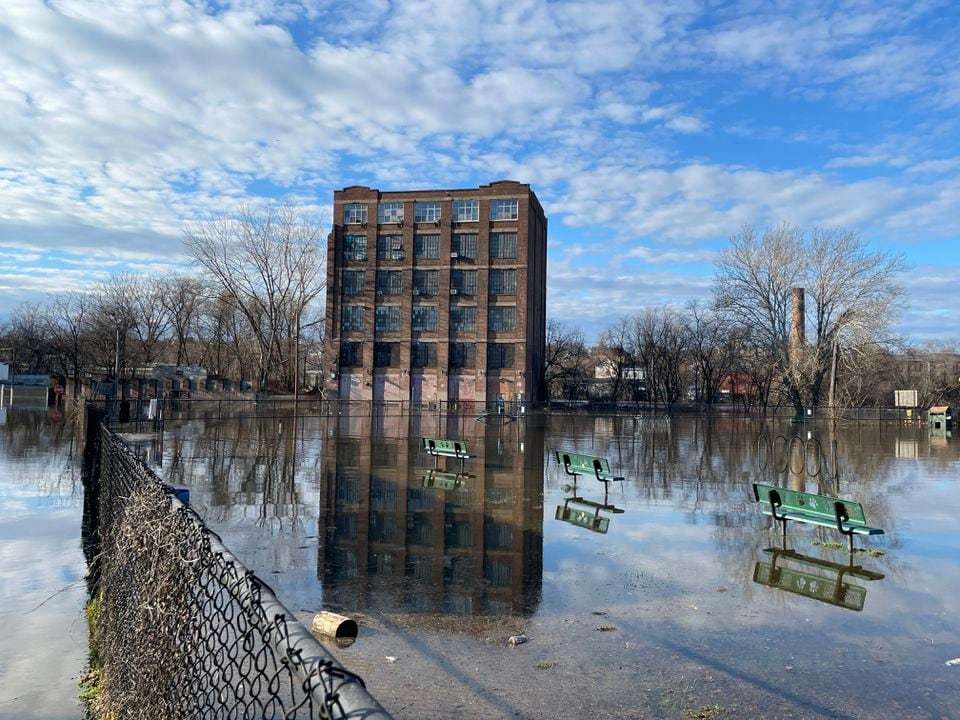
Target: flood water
43,642
666,602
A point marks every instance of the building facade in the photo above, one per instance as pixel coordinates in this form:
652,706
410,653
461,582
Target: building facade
436,294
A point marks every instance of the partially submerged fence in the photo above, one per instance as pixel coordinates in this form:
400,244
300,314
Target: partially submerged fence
181,628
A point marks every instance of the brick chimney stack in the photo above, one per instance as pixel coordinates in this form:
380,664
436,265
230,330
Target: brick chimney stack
798,334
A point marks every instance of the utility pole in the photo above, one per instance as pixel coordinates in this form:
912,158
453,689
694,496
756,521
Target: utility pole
833,373
833,362
116,356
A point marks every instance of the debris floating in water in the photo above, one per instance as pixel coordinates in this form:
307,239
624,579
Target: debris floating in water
955,661
391,659
605,627
517,639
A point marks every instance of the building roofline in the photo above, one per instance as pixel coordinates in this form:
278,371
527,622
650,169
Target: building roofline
490,185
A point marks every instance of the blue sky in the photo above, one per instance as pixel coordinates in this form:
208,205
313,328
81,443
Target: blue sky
650,131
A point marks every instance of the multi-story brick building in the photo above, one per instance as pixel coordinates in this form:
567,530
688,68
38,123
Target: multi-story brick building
436,294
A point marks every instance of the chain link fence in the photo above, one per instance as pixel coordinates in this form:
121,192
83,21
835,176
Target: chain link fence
181,629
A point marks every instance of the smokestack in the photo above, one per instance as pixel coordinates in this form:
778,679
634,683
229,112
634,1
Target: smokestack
798,333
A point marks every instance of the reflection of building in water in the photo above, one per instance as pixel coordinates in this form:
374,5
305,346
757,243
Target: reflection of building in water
390,543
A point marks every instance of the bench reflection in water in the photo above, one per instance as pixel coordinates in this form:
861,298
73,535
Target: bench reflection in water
815,578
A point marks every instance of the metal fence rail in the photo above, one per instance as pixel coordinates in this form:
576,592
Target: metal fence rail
182,628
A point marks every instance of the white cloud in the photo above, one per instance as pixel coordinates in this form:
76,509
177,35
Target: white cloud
122,120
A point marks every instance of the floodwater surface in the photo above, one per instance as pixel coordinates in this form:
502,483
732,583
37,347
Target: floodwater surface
669,597
43,643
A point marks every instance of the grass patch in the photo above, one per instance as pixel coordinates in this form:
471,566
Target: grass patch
707,712
90,687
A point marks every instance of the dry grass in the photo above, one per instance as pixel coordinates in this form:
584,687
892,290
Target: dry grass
149,565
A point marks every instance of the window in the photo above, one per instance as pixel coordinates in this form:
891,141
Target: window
351,354
463,281
426,247
353,282
390,212
499,356
503,210
503,282
462,355
387,318
426,282
390,247
384,354
355,213
466,210
355,247
503,318
423,354
463,318
426,212
424,318
351,318
389,282
464,245
503,245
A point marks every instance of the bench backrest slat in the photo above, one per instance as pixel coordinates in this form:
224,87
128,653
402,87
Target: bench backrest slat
582,464
453,448
820,506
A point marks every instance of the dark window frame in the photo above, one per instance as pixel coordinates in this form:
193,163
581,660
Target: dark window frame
418,313
426,251
392,312
503,245
426,282
355,288
498,284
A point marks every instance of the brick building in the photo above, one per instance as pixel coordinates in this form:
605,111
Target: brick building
436,294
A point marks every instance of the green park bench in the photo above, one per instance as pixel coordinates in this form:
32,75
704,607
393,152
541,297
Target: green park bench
437,448
783,504
577,465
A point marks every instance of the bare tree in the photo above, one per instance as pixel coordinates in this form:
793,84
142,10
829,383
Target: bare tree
658,341
565,360
269,266
713,346
183,299
27,336
69,318
614,357
852,295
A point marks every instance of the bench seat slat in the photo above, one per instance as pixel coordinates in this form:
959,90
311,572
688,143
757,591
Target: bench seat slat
825,522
